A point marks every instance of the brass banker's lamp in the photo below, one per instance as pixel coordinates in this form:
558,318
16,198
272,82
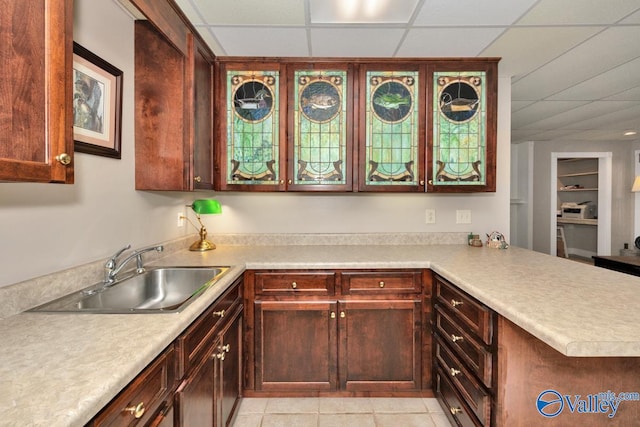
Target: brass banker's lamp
204,207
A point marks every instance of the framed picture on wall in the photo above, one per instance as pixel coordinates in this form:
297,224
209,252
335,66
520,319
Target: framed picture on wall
97,104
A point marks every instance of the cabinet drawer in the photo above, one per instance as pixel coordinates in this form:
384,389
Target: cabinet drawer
381,282
464,381
474,315
303,283
145,394
454,407
196,338
465,346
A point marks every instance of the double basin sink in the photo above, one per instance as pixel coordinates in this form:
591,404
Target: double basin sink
156,290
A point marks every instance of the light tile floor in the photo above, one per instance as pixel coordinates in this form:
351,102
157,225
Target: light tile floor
339,412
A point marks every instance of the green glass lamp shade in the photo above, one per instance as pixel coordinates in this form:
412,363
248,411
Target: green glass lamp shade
206,206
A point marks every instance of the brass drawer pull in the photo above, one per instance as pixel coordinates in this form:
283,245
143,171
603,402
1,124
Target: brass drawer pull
455,411
456,338
454,372
381,284
455,303
219,313
137,411
294,285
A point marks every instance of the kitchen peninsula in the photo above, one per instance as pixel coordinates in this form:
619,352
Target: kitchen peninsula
61,369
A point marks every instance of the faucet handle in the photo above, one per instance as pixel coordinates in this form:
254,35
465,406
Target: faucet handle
112,261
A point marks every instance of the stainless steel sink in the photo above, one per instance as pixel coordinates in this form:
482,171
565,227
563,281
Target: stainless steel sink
163,289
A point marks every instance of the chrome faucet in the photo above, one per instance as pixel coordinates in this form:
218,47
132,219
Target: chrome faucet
112,268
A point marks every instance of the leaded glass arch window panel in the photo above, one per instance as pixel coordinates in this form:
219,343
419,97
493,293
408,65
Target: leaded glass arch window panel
320,127
391,121
253,127
459,129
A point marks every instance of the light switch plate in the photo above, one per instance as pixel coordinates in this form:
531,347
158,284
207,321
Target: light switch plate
463,216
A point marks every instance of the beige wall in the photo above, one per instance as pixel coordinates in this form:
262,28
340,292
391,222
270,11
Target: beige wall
46,228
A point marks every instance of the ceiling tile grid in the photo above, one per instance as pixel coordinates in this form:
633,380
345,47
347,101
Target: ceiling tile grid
567,58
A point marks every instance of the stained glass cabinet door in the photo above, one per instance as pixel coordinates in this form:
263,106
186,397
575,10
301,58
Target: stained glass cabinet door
392,131
462,146
320,129
252,157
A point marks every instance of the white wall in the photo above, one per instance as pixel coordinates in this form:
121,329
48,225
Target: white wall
46,227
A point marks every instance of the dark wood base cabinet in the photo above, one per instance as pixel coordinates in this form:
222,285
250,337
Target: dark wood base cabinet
196,381
490,372
328,332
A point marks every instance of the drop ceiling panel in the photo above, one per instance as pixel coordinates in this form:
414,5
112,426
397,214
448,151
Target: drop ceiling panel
190,12
469,12
254,41
587,60
447,42
634,18
368,11
525,49
585,12
617,80
354,42
250,12
589,111
519,105
632,94
541,110
614,114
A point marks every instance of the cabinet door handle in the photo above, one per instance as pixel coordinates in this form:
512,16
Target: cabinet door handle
456,338
294,285
197,179
63,158
137,411
454,372
342,315
455,411
219,313
221,355
455,303
289,182
333,314
381,284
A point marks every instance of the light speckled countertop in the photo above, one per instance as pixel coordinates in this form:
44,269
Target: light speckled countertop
60,369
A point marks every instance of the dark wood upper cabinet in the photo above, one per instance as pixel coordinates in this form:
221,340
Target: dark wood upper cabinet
174,86
392,124
462,126
36,120
251,106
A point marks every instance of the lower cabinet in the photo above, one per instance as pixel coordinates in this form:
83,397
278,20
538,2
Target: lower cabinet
314,335
464,353
209,394
196,381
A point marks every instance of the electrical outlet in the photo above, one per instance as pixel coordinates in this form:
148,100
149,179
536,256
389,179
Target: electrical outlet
463,216
430,216
180,222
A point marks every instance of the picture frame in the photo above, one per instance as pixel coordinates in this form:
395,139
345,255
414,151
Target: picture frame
97,104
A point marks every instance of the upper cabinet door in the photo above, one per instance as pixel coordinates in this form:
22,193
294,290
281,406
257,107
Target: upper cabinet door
392,126
462,144
36,123
202,98
253,156
320,127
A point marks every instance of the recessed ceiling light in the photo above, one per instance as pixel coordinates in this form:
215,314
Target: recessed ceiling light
630,133
361,11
